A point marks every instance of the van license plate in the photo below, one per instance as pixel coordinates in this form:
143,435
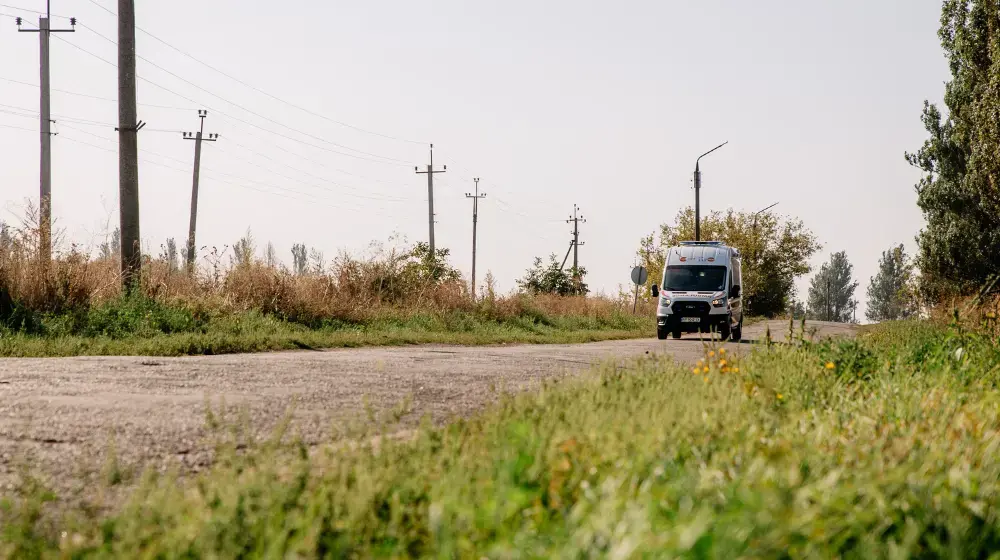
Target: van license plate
690,319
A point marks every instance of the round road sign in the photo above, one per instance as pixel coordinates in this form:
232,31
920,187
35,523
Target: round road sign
639,275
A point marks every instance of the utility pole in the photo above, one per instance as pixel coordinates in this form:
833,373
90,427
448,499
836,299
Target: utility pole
128,148
697,191
829,316
475,219
575,219
198,138
430,197
45,172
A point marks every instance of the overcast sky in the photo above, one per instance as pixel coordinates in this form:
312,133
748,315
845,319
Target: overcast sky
551,104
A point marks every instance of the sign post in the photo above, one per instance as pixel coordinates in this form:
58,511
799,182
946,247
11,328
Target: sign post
639,277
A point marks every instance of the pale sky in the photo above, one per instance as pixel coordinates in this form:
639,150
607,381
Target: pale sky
551,104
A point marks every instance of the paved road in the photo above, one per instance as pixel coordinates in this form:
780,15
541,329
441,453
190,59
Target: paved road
62,413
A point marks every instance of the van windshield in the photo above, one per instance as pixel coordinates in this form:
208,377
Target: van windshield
695,279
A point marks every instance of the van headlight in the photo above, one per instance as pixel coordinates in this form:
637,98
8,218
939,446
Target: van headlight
665,301
718,302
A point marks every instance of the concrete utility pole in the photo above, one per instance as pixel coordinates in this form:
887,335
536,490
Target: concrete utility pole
198,138
475,219
45,171
697,191
575,219
430,196
128,148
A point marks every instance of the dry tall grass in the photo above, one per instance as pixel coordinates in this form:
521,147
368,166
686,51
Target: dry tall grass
386,283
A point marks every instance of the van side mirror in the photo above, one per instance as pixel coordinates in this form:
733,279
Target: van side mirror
734,292
656,291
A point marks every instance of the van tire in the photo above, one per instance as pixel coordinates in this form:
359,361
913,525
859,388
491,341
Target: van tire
738,332
725,330
661,334
676,334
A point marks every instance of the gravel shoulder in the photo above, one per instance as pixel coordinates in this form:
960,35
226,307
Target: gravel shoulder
61,416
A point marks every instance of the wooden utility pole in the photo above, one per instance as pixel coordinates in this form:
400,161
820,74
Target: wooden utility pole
475,219
128,148
430,198
198,138
45,162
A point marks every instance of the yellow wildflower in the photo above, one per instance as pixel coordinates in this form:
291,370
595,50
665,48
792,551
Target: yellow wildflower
695,370
722,363
722,350
706,369
711,353
780,396
736,370
830,365
706,380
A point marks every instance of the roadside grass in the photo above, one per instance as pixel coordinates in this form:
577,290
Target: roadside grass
880,447
267,338
142,326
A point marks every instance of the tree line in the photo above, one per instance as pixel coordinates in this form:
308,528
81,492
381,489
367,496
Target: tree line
958,249
775,251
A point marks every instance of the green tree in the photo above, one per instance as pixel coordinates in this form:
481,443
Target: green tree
300,259
890,293
112,248
244,250
422,267
831,291
553,279
959,195
775,252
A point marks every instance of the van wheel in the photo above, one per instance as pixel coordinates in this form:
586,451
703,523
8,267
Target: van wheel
661,334
676,334
738,332
725,331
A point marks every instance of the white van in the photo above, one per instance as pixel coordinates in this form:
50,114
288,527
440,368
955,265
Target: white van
700,291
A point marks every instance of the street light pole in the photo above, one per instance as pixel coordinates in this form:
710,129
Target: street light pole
697,191
756,250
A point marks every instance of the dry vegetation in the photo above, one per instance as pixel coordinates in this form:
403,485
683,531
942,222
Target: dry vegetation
79,295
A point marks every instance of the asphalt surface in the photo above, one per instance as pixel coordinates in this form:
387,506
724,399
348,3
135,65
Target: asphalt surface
61,416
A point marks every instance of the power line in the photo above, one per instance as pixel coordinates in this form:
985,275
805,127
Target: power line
88,96
226,116
381,199
14,127
314,176
258,90
312,198
241,107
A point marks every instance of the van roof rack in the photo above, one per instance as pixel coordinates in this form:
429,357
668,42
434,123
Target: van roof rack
702,243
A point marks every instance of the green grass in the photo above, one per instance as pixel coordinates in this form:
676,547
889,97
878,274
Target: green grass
884,447
146,327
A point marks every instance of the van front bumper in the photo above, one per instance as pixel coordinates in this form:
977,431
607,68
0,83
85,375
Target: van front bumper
691,322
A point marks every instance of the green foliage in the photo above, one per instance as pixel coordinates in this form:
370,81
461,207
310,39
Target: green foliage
831,290
959,195
553,279
890,454
300,259
891,294
775,252
134,316
421,266
244,250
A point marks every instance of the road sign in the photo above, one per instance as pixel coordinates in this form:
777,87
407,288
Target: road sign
639,275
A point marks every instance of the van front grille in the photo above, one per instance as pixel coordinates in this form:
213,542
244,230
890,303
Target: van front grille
690,308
